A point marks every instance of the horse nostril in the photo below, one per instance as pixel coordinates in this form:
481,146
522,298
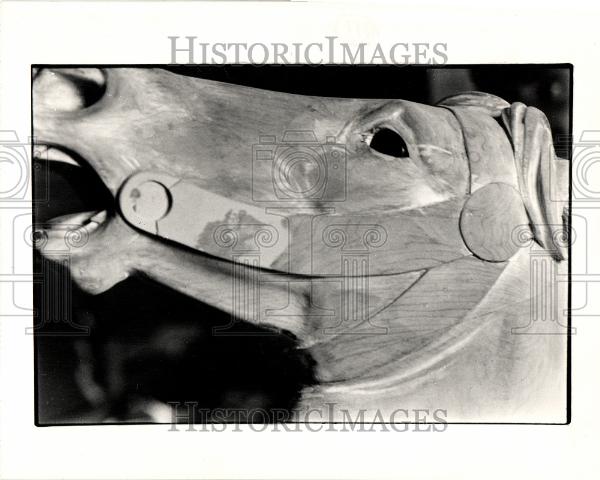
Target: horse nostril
388,142
67,89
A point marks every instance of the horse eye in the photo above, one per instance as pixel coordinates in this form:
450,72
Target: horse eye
388,142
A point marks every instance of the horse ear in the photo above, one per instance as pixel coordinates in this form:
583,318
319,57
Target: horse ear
537,172
492,104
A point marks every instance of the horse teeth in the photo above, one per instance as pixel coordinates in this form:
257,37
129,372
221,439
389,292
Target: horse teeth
51,154
79,219
100,217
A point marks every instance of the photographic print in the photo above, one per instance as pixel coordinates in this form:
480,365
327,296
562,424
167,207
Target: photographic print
293,244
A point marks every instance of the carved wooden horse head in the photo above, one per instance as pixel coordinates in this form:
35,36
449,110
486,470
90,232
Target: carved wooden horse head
394,239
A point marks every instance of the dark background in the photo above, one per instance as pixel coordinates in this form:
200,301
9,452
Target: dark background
146,341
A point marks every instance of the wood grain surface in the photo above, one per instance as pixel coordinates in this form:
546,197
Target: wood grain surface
401,275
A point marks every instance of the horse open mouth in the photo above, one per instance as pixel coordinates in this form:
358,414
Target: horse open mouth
78,202
150,345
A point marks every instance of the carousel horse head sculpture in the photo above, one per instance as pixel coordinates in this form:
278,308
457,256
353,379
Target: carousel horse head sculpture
395,240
